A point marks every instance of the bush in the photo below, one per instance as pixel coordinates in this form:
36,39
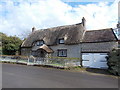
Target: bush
114,62
10,44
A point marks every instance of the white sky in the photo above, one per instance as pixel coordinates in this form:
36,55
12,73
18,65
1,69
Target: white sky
19,17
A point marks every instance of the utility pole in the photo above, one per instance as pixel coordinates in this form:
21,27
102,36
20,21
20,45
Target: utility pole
117,30
118,25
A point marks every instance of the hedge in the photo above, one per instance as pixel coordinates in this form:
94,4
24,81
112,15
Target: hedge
114,62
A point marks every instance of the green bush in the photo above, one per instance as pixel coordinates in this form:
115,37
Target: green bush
10,44
114,62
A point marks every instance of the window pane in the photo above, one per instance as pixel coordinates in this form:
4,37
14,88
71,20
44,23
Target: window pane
62,52
40,43
61,41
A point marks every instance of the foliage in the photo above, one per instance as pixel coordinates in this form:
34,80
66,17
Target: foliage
10,44
114,62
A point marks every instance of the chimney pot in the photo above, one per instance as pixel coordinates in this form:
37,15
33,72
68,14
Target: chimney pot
33,29
84,22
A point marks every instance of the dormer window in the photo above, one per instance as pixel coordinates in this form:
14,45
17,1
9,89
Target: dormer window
40,43
61,41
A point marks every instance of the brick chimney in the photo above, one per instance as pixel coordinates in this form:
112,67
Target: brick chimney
33,29
84,22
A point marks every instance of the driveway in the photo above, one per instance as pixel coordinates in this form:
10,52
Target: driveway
20,76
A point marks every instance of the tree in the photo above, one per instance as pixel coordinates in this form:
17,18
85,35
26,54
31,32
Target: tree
114,62
10,44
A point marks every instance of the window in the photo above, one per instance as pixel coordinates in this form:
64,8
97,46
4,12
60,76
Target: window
62,52
40,43
61,41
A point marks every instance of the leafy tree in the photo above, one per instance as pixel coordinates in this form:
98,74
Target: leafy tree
10,44
114,62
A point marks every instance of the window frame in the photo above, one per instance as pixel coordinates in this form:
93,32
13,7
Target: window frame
61,41
63,52
38,43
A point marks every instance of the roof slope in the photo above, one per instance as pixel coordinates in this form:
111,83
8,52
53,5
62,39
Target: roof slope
72,34
102,35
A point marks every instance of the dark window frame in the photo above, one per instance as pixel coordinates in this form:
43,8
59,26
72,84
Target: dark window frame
62,40
63,51
37,43
41,42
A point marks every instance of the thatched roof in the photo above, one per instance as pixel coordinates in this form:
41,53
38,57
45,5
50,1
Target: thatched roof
72,34
103,35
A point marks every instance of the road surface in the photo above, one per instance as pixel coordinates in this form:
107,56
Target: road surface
20,76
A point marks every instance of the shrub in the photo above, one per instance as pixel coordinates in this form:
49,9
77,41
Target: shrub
114,62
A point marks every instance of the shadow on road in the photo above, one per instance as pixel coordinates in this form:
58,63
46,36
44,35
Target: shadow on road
98,71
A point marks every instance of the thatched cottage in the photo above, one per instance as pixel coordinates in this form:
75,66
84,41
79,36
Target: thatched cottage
72,41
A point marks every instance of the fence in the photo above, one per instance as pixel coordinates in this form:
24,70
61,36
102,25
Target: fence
51,61
14,59
55,61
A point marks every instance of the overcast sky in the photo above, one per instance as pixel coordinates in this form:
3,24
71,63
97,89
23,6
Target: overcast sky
19,16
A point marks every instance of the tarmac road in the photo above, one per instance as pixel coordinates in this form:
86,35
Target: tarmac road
20,76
